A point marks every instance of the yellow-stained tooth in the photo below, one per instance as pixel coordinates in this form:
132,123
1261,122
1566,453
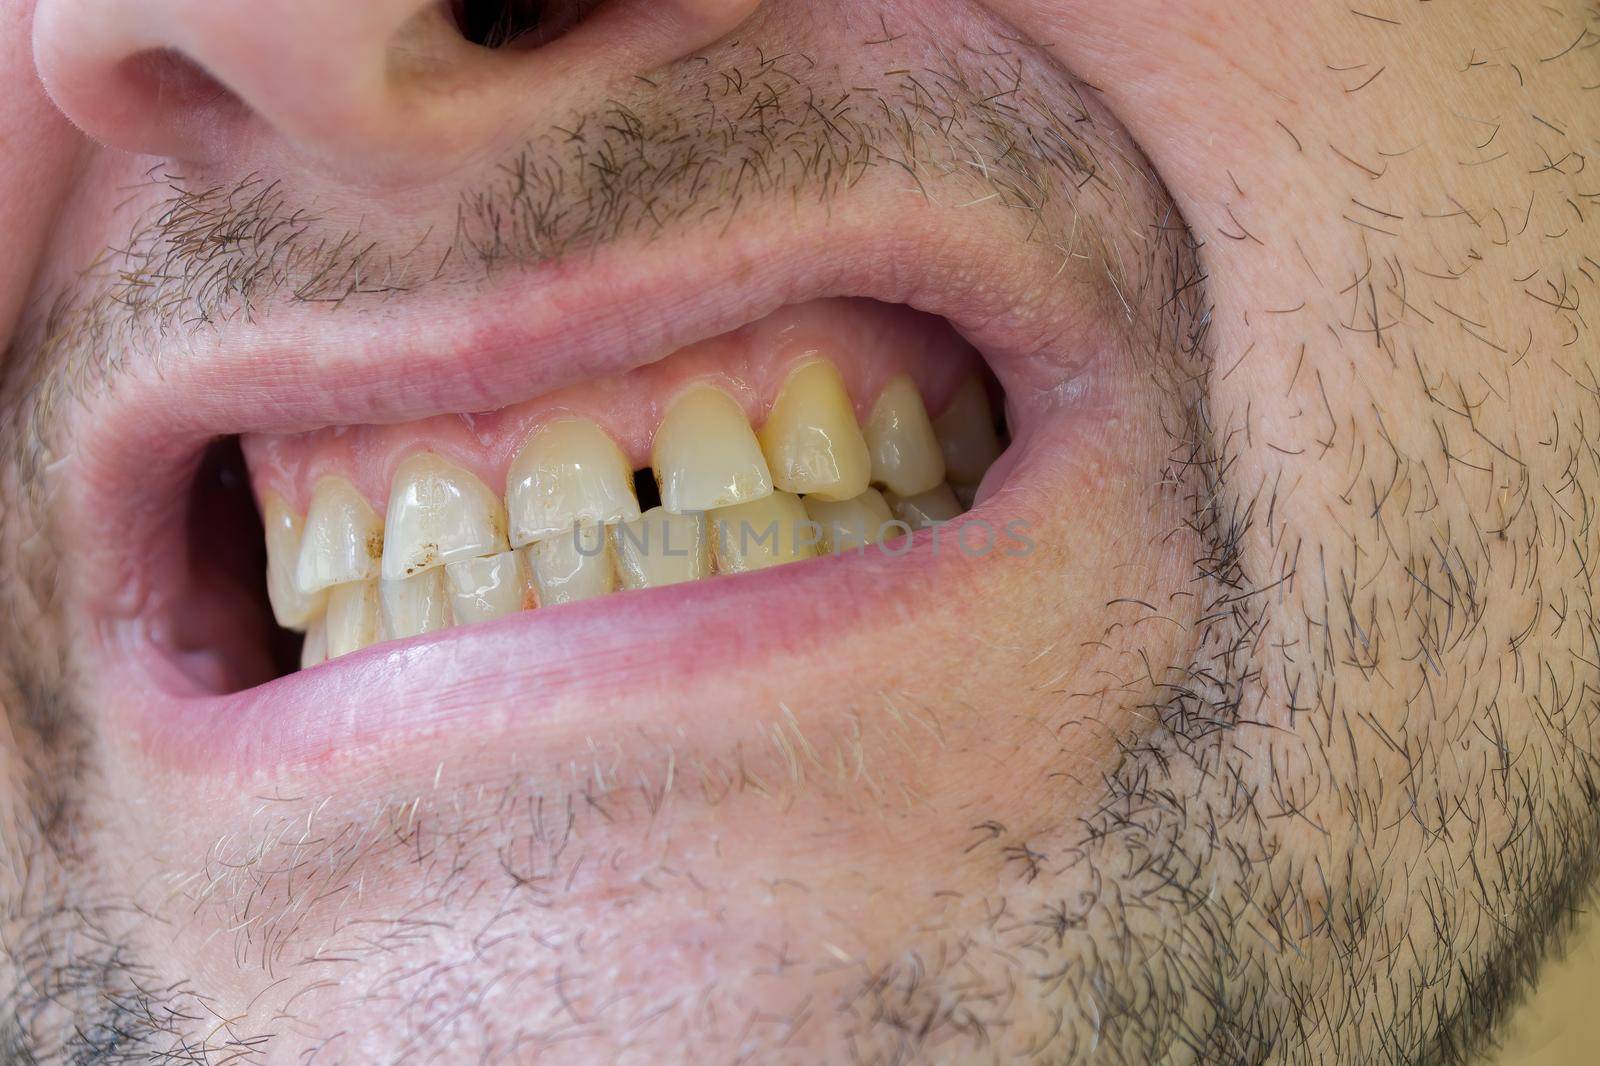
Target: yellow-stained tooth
850,524
414,605
967,435
705,455
439,513
925,508
342,540
906,458
810,439
353,617
577,565
661,548
482,589
766,532
314,649
569,472
285,530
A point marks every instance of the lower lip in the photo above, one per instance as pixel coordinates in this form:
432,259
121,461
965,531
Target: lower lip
549,670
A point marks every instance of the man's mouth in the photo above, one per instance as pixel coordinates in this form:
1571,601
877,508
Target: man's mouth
613,536
504,510
832,427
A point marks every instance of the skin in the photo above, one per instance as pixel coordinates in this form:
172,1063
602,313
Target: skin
1280,749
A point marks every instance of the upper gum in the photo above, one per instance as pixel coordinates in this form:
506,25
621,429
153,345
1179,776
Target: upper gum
750,364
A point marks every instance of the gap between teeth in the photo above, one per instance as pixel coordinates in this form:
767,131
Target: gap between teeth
450,551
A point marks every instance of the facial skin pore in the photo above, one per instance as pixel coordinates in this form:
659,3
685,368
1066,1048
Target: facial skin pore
1279,749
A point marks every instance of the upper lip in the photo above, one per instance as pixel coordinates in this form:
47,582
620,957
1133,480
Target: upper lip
524,332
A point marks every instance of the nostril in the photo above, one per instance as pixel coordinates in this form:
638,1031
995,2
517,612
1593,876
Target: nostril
495,23
516,23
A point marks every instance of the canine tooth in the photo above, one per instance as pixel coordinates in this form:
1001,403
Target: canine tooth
905,452
353,617
284,532
414,605
314,649
343,538
925,508
661,548
850,524
763,533
966,434
811,441
705,455
578,565
491,587
439,513
569,472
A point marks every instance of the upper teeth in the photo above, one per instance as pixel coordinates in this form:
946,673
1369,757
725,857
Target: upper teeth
285,534
967,436
705,454
343,539
451,552
906,456
811,439
569,473
439,513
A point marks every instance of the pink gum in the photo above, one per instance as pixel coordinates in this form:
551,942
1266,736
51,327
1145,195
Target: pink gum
869,342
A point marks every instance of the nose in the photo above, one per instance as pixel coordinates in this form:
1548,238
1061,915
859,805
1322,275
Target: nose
372,87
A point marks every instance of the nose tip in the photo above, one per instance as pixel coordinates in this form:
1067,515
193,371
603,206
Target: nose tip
160,77
376,88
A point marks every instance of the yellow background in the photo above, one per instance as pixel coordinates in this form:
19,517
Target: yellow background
1559,1025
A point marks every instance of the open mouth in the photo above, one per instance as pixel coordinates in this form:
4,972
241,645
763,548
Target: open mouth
615,490
338,573
832,427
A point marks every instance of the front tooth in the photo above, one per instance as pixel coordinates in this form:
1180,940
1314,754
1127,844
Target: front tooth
353,617
850,524
705,454
343,539
439,513
925,508
568,473
811,441
483,589
285,531
314,649
905,452
966,434
661,548
577,565
763,533
415,605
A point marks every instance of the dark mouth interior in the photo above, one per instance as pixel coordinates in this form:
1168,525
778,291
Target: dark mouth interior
224,628
224,633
